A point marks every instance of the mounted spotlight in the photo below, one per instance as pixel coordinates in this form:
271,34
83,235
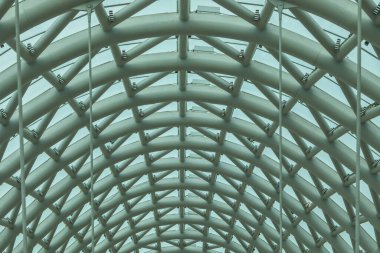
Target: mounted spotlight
30,48
305,77
241,55
97,129
3,114
34,134
17,179
217,137
86,186
307,205
247,170
73,169
111,17
134,86
256,16
123,55
347,177
39,193
82,106
363,111
141,113
337,45
60,79
30,230
223,113
376,10
70,220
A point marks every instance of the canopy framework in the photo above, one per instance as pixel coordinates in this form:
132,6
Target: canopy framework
186,128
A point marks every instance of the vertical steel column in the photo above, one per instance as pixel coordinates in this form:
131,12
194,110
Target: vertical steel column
358,126
21,129
280,107
89,11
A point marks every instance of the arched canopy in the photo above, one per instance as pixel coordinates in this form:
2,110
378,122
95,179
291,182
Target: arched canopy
186,138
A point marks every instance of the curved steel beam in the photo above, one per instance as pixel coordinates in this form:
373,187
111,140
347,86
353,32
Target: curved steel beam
143,207
253,182
197,203
320,169
316,198
242,216
221,26
193,219
246,198
330,9
261,107
148,224
173,235
33,14
343,116
225,170
318,60
188,249
170,119
258,72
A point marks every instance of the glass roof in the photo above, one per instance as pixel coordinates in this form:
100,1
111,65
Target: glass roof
185,110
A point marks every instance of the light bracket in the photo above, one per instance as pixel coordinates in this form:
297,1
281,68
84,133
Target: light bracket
85,6
284,4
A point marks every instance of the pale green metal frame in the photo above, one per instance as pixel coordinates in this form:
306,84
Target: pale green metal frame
210,28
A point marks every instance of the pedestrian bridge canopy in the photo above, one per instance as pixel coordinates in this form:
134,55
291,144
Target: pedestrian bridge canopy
189,126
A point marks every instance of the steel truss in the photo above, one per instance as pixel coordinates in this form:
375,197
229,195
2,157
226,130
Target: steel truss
245,214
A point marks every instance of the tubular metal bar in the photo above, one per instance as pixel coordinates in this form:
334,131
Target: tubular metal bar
89,11
21,128
306,50
275,167
44,41
184,9
315,29
358,127
4,7
280,107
